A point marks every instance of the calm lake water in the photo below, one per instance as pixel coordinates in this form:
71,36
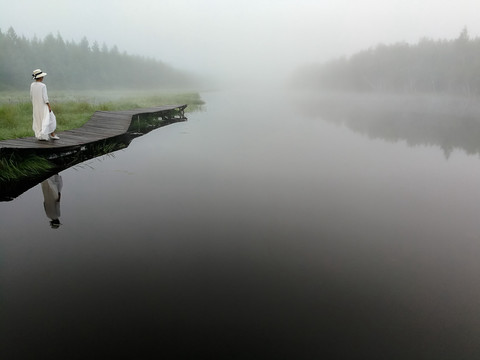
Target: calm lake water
259,228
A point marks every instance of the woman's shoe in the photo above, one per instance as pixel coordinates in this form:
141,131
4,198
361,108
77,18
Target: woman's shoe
54,137
43,137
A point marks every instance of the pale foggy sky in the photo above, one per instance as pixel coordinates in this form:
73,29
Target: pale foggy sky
238,39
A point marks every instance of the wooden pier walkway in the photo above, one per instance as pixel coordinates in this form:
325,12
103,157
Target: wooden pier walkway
103,125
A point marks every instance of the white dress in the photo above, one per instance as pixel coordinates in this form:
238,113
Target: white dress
38,94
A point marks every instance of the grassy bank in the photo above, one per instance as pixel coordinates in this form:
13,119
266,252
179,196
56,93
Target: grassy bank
73,109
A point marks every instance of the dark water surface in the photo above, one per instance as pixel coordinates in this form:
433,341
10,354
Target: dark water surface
253,230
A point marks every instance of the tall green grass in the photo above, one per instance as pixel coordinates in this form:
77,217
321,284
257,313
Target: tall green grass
14,167
72,110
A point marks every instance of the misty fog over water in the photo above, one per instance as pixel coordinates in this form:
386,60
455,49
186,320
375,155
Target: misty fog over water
266,226
273,224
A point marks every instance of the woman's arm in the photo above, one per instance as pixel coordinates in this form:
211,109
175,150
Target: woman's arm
45,98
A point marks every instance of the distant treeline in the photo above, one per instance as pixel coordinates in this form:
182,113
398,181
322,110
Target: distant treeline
81,66
431,66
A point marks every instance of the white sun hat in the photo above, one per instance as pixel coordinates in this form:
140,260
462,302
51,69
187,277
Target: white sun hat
37,74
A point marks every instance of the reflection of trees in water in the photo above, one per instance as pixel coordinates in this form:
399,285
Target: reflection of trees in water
446,122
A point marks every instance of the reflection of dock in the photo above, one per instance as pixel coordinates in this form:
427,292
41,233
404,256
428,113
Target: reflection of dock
103,125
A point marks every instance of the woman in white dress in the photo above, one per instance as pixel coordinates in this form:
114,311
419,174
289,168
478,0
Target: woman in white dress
41,108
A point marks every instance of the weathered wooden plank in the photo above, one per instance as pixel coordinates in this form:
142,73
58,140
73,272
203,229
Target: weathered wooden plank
16,142
89,132
106,127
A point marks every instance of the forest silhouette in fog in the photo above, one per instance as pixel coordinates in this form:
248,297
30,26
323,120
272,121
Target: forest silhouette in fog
430,66
81,66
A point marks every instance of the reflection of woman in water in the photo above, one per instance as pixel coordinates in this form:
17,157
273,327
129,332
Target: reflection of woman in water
52,188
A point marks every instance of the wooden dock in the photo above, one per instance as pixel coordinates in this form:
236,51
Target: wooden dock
103,125
105,132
